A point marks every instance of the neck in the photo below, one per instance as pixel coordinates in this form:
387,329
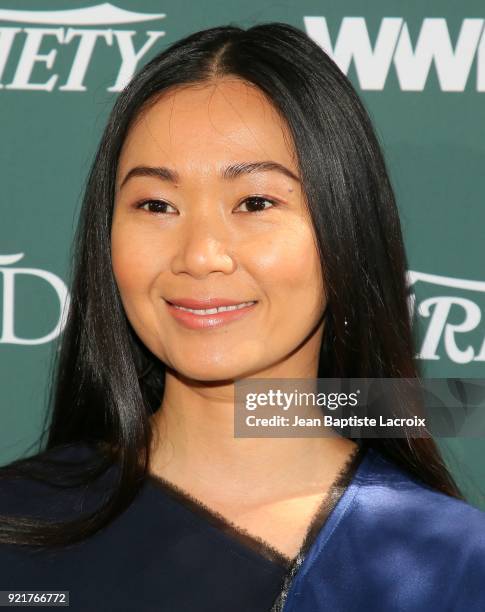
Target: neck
195,448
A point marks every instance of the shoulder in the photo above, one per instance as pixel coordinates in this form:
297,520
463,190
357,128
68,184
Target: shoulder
37,489
406,507
393,543
435,541
394,496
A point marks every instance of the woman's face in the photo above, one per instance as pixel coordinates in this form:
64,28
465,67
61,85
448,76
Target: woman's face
193,229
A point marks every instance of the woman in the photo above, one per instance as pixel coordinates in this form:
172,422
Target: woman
238,167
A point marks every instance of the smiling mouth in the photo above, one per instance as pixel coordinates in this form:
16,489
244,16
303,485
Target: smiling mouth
211,311
208,318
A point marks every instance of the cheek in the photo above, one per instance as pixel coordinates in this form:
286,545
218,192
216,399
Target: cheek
290,266
133,261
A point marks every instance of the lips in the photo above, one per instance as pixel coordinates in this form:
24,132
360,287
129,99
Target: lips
211,319
205,303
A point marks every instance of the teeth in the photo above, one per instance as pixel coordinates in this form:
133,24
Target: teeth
204,311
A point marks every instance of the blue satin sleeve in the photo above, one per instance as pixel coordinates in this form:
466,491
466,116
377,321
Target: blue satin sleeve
392,544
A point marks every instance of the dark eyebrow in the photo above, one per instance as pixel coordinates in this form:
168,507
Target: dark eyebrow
229,172
235,170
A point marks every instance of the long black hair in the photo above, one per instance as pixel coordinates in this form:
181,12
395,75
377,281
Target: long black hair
106,383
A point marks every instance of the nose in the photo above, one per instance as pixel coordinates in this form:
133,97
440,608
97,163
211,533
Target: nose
204,246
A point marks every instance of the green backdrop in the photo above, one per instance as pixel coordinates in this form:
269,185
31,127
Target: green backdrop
420,69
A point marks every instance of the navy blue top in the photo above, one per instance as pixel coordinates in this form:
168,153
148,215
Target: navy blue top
393,544
167,552
381,541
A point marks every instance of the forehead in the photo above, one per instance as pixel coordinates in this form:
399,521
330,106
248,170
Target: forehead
199,128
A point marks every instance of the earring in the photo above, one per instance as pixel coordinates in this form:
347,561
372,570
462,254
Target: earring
345,321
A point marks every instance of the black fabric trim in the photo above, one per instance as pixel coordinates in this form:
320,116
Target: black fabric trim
329,502
255,543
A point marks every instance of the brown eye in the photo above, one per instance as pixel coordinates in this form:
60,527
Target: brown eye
258,204
154,206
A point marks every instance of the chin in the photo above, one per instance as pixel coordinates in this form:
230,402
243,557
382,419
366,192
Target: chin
213,372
